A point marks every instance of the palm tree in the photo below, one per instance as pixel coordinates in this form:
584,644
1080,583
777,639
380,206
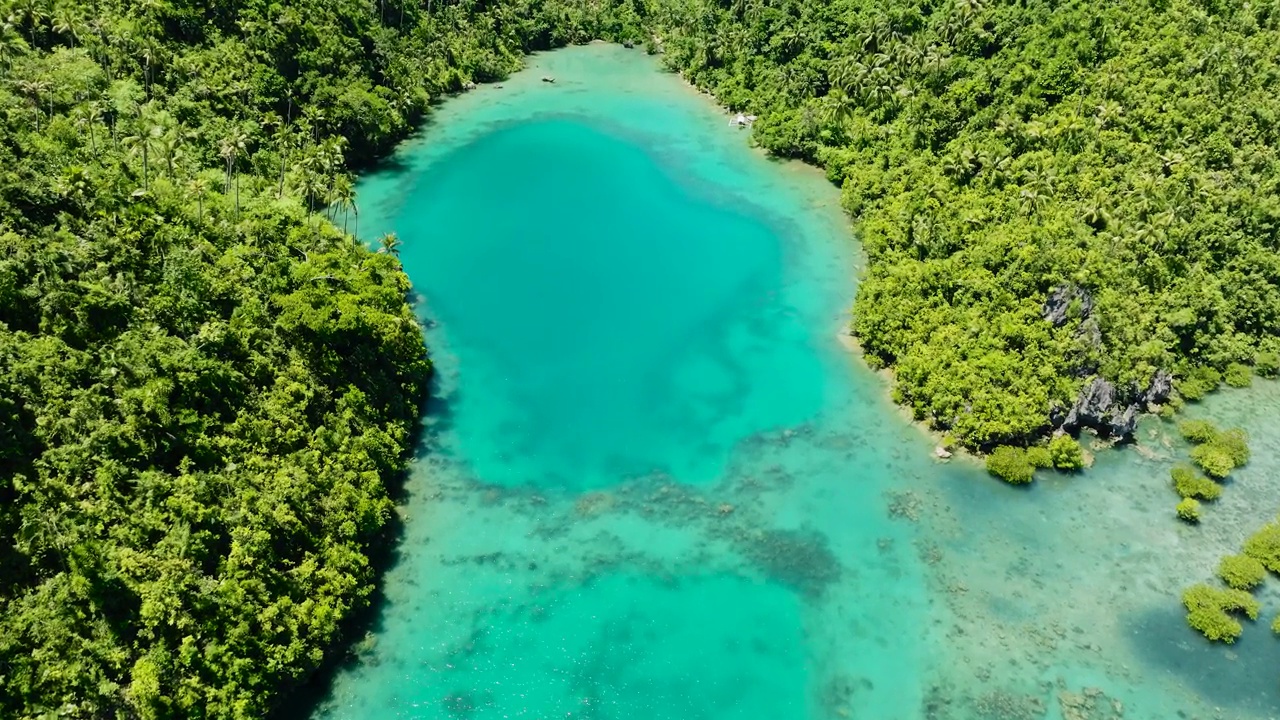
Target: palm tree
967,9
171,143
35,88
88,116
148,135
11,44
843,74
312,185
390,243
31,13
230,148
282,142
1031,200
199,188
67,21
838,108
342,197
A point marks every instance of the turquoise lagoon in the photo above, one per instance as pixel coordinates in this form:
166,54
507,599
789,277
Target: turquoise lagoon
655,483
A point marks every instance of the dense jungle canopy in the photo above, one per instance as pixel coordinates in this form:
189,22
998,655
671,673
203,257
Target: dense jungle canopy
206,384
1119,157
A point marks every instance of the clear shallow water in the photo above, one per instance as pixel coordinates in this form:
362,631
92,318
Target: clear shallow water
656,485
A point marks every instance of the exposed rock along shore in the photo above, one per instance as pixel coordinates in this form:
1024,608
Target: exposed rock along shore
1101,406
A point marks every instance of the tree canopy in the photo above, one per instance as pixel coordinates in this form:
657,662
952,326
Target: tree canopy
206,381
995,152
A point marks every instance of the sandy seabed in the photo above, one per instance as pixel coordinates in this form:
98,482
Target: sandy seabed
796,556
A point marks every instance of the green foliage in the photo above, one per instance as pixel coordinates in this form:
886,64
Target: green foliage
1011,465
1235,444
1267,364
1188,510
1188,484
1238,375
1039,457
1210,610
1198,382
1214,460
994,152
1217,452
205,383
1264,546
1066,453
1241,572
1198,431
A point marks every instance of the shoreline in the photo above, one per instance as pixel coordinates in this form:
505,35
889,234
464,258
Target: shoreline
976,532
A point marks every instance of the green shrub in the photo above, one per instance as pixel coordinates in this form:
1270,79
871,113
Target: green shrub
1191,389
1189,510
1275,625
1011,465
1039,457
1209,611
1213,459
1198,431
1066,453
1238,375
1267,364
1235,442
1264,546
1199,382
1216,452
1188,484
1241,572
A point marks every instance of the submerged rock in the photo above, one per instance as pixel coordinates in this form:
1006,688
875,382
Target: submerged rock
800,559
548,79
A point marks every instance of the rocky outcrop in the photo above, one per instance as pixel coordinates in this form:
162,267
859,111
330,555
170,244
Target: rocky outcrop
1057,305
1122,424
1112,413
1159,389
1093,407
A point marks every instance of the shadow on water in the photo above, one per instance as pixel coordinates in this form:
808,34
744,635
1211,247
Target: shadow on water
1245,675
386,550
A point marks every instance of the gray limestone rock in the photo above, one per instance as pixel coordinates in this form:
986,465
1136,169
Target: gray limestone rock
1059,301
1161,386
1093,406
1122,424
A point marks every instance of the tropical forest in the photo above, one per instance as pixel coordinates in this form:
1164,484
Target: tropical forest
235,485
